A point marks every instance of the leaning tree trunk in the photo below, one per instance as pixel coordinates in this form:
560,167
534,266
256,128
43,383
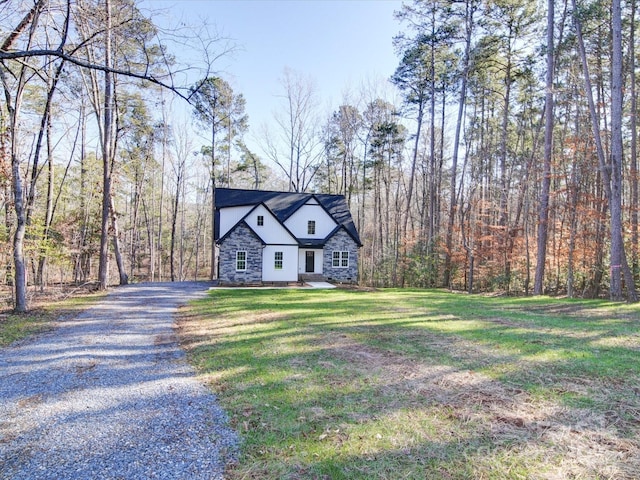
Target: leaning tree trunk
612,181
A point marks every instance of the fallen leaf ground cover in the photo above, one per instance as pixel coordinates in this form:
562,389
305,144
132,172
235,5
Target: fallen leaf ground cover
421,384
44,310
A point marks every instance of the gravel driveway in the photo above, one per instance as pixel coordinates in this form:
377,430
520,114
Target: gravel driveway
109,395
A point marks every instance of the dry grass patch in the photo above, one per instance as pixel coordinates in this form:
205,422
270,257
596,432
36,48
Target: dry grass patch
572,442
45,308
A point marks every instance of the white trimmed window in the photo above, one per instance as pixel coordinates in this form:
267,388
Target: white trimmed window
311,227
278,258
241,260
340,259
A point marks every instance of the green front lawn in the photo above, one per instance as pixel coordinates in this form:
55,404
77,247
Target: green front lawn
421,384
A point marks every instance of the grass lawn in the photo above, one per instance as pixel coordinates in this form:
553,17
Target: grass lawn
414,384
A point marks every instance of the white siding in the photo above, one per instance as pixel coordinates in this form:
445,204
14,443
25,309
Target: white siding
289,271
271,231
298,222
230,216
317,261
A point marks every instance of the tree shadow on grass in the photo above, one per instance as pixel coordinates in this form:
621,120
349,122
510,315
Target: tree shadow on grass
380,398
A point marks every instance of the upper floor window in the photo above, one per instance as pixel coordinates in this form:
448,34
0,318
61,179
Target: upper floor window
278,260
241,260
260,220
311,227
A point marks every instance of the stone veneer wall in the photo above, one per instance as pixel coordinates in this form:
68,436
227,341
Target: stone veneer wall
341,241
241,238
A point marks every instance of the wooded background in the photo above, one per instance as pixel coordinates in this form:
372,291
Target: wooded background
502,158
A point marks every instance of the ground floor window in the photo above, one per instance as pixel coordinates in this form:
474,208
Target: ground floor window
278,260
241,260
340,259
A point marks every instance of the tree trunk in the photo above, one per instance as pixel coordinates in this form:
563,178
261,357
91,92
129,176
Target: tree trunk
543,213
139,180
574,191
13,106
49,208
453,199
615,201
432,146
181,270
412,171
103,269
214,273
83,262
174,221
503,219
122,271
20,271
148,223
619,265
611,173
634,145
165,134
20,275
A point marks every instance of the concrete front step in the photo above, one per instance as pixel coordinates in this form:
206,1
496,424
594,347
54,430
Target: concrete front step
311,277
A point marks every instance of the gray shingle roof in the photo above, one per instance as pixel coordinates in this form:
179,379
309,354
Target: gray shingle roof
284,204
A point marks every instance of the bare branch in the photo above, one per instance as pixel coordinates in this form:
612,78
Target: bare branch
13,36
60,53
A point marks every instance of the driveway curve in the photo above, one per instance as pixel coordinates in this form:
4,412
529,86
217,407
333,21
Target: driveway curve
109,395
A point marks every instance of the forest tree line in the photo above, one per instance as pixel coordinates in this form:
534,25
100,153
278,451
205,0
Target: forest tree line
501,156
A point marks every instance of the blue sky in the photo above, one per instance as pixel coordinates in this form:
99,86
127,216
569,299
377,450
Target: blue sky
337,43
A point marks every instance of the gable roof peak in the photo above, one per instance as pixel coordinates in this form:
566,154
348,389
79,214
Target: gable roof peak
284,204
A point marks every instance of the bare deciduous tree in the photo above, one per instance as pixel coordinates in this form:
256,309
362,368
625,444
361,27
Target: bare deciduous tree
296,146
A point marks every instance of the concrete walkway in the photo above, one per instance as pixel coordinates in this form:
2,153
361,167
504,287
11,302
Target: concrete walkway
321,285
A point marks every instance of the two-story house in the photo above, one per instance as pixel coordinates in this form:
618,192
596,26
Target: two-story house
267,236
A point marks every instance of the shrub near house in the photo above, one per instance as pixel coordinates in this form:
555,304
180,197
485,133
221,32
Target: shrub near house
267,236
